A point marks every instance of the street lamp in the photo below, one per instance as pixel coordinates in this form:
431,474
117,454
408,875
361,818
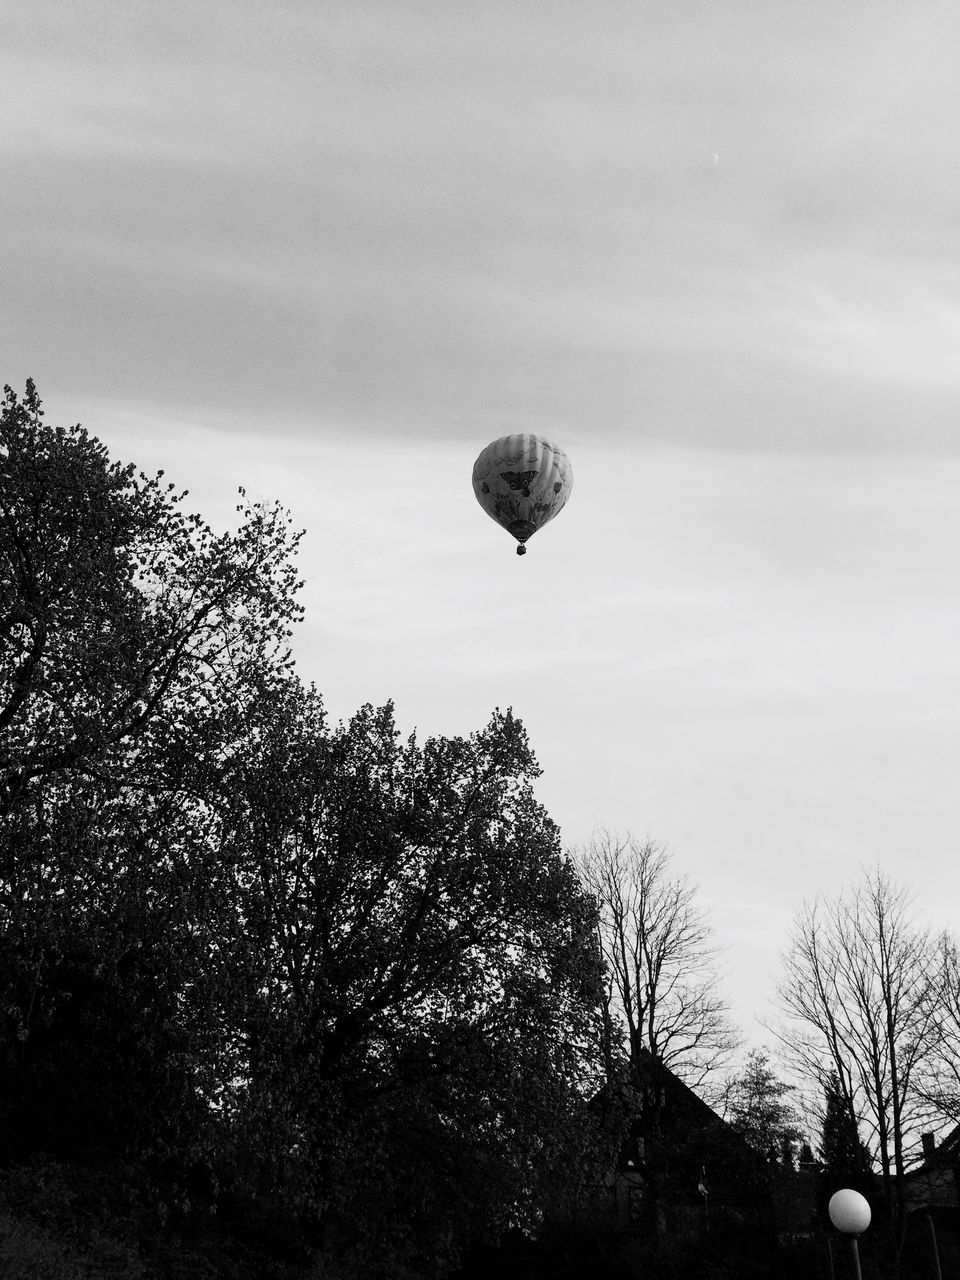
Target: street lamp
850,1213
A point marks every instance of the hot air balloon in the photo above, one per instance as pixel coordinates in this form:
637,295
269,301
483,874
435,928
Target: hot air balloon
522,481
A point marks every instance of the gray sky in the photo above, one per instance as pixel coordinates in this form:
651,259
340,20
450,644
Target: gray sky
329,251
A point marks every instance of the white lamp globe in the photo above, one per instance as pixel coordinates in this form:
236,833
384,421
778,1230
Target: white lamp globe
849,1212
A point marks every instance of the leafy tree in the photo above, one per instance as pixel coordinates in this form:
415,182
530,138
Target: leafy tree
132,640
660,961
413,963
107,1032
761,1112
806,1159
354,974
128,632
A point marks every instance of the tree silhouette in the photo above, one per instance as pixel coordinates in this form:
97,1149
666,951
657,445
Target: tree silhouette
414,959
320,967
846,1160
662,979
860,990
760,1110
126,628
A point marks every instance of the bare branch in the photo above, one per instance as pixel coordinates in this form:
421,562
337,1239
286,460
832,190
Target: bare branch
660,959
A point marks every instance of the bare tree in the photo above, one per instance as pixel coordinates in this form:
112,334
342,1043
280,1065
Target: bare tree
661,978
940,1083
860,991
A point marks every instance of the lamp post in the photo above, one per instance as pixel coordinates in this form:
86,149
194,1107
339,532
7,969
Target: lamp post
850,1214
933,1240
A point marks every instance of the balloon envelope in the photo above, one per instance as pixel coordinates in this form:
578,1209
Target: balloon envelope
522,481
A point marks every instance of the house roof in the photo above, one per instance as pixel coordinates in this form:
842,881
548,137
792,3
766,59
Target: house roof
947,1153
666,1110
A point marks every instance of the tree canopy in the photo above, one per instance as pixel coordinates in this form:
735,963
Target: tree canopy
128,630
405,940
323,963
761,1111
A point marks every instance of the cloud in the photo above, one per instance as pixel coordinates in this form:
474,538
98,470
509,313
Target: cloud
411,222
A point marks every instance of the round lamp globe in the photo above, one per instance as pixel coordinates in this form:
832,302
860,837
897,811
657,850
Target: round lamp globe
849,1212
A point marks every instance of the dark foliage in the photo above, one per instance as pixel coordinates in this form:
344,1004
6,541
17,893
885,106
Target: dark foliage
412,959
760,1111
569,1250
306,994
846,1160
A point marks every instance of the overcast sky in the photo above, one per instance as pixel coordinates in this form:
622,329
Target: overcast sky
330,250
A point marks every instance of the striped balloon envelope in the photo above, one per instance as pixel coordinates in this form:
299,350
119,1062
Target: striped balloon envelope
522,482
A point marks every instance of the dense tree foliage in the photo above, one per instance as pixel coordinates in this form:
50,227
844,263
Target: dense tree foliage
131,640
413,958
846,1160
760,1110
129,633
257,955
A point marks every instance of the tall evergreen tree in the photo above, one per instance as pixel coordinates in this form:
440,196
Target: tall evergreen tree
846,1160
761,1112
